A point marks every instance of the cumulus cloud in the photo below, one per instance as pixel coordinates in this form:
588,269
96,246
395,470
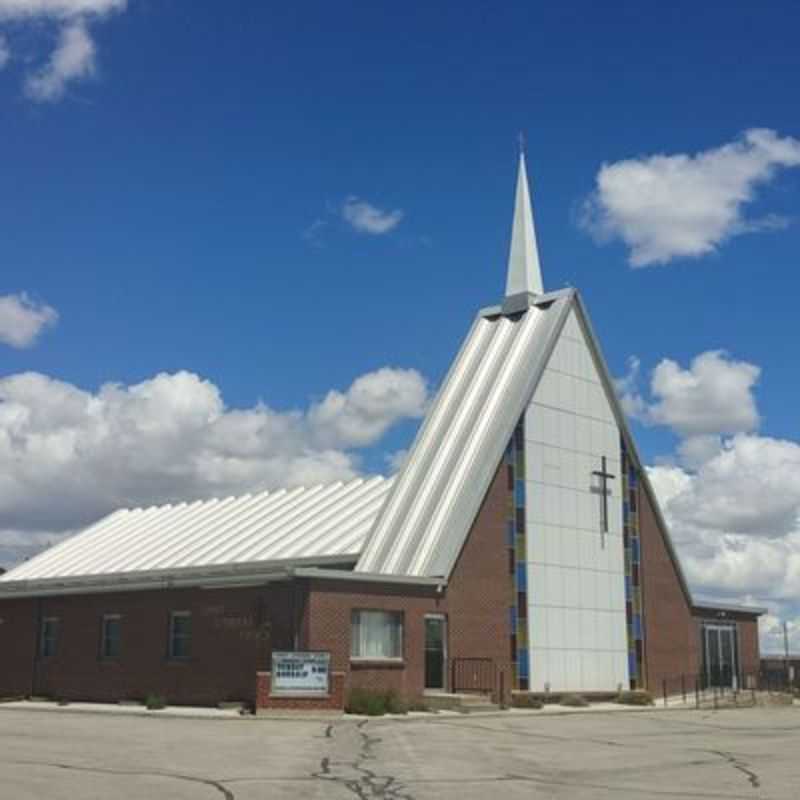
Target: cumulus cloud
23,319
74,56
732,496
367,218
682,206
172,437
711,397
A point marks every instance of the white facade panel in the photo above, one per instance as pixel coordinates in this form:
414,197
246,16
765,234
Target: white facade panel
576,571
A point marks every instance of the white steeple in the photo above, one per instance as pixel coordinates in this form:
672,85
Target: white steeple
524,273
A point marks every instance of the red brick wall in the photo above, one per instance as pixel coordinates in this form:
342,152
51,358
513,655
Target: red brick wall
331,702
17,646
671,640
476,604
228,644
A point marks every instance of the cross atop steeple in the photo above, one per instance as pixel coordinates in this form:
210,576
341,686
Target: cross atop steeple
524,273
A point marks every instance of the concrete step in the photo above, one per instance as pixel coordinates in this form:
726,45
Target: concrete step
466,703
478,708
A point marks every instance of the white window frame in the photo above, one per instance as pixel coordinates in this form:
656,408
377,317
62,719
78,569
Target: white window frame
104,636
357,643
173,656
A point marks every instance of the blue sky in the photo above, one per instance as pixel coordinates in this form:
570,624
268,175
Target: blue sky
176,192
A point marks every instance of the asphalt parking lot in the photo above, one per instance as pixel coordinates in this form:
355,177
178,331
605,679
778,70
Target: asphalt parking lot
746,753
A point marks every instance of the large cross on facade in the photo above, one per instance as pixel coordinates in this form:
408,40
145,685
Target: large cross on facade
605,476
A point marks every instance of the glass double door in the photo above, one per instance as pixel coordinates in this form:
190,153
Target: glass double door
720,656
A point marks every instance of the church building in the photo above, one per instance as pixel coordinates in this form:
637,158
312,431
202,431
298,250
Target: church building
520,548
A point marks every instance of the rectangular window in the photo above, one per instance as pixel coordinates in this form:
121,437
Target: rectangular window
180,634
110,636
376,634
48,641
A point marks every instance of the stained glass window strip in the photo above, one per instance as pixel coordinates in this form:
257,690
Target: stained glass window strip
516,539
633,589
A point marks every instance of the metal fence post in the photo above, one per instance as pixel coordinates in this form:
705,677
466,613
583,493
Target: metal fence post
664,687
683,687
696,691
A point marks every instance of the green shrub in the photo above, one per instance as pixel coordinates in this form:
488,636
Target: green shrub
574,701
525,701
418,704
374,703
394,703
636,697
154,702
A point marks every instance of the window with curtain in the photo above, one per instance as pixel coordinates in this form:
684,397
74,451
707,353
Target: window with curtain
376,634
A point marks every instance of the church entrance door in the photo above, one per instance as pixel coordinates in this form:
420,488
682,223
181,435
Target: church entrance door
435,653
720,655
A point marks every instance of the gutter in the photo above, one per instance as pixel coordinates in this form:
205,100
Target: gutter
253,574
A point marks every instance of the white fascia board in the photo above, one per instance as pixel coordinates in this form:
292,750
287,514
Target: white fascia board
193,577
368,577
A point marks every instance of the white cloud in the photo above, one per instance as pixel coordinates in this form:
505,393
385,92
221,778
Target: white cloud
732,500
671,206
22,319
367,218
61,9
73,59
713,396
68,456
772,636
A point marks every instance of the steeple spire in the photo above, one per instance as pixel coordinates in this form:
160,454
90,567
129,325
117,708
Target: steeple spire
524,273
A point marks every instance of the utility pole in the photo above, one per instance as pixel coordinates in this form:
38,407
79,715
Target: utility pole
786,650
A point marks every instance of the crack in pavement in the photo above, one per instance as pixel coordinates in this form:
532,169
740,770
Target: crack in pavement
226,793
352,774
740,765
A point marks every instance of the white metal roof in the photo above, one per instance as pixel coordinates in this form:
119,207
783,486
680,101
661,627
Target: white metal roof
303,525
431,507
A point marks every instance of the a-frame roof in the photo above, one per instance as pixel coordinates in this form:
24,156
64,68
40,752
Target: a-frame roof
432,504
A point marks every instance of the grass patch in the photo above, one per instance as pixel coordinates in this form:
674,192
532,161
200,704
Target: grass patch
574,701
636,697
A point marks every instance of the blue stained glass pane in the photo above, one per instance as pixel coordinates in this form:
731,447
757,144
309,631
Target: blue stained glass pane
510,532
635,549
625,509
513,617
632,478
522,577
632,664
519,493
637,626
522,662
628,587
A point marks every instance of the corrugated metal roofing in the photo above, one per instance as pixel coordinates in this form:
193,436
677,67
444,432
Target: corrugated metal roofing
430,509
284,526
